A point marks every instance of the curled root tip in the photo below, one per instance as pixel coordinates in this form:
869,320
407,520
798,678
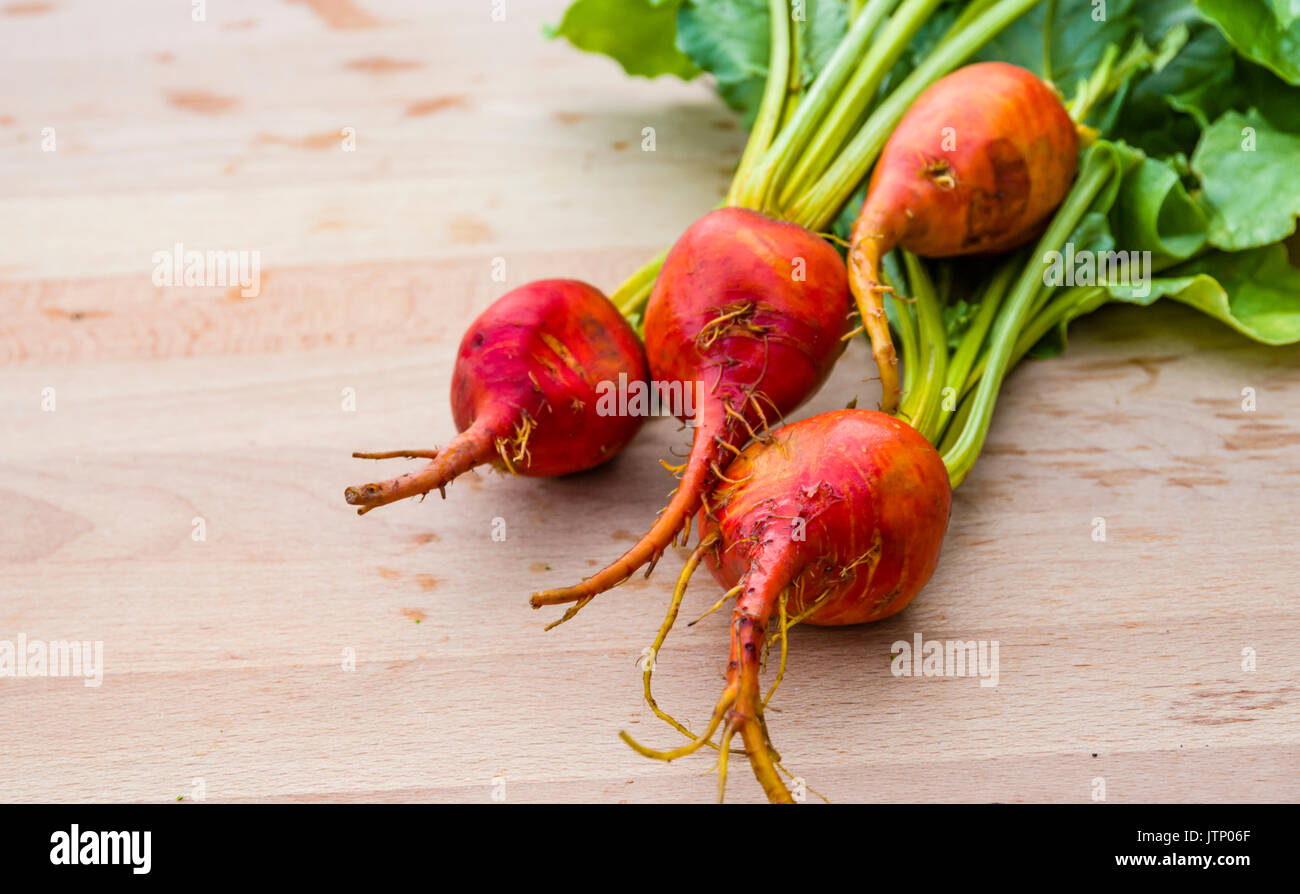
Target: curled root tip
704,738
646,752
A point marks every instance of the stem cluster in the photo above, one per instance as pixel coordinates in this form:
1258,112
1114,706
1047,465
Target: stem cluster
808,152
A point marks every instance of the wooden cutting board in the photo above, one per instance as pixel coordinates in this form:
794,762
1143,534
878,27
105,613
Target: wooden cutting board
298,652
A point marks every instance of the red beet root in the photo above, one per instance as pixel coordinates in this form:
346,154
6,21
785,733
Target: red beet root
837,519
977,164
753,309
524,391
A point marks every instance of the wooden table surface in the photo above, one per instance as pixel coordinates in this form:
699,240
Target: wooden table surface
224,659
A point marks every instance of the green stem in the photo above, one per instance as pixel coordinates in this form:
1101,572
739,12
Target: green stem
630,298
1073,302
904,323
972,11
884,53
1117,102
1098,170
793,84
972,340
793,138
956,426
815,208
769,109
1049,20
767,155
1041,320
925,411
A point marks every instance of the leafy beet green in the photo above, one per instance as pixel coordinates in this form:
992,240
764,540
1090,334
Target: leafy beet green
1265,31
641,35
1201,98
1250,181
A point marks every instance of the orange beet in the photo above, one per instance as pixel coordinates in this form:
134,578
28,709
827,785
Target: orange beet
524,391
753,309
849,508
842,516
978,164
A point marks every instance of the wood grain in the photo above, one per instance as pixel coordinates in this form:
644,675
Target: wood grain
224,658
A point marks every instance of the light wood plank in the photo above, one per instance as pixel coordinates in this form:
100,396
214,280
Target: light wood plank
223,658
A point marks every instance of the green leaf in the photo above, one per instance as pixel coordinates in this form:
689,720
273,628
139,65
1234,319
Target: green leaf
1250,181
1093,233
820,30
641,35
1159,17
1267,31
1269,95
1081,30
1256,292
1166,110
1155,213
1199,80
730,39
1286,11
